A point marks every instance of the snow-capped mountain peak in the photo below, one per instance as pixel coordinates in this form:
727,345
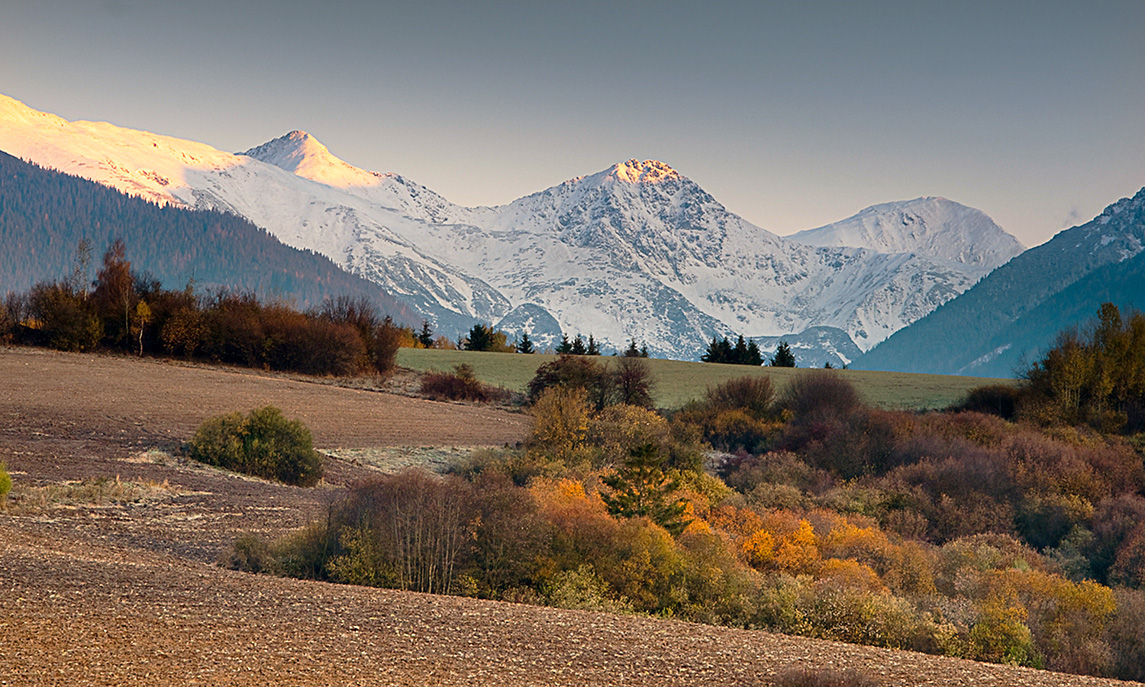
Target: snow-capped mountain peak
300,153
935,227
646,172
14,111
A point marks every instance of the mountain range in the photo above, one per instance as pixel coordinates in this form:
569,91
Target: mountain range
635,251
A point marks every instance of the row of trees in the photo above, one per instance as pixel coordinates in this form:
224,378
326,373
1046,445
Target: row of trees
126,311
482,337
721,350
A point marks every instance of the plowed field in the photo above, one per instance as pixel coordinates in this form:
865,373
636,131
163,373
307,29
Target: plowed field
127,592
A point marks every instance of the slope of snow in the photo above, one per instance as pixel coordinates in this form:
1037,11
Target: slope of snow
636,251
937,228
300,153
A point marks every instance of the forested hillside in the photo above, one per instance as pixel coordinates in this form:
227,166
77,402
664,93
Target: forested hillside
45,214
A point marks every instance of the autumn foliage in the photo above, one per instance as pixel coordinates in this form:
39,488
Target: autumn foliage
959,533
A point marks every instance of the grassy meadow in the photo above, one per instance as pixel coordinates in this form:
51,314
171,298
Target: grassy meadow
678,382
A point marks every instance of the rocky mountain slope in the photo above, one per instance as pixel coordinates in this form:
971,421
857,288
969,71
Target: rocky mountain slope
636,251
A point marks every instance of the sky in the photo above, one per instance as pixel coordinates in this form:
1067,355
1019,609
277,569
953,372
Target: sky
792,114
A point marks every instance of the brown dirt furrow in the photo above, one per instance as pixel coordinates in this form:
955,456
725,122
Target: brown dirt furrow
80,613
147,402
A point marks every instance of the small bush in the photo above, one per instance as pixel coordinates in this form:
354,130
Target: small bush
519,466
459,385
816,394
582,589
995,399
824,677
5,482
751,394
263,444
248,553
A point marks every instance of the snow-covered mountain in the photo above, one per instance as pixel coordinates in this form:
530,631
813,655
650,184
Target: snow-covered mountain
937,228
636,251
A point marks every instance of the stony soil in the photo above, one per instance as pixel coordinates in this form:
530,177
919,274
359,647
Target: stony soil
128,594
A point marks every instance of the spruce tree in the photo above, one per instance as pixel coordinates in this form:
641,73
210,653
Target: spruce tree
754,357
640,488
425,338
525,345
578,347
480,338
564,347
783,356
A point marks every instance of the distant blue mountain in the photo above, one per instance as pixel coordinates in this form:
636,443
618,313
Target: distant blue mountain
1013,314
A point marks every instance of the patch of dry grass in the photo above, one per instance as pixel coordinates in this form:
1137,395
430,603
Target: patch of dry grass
99,492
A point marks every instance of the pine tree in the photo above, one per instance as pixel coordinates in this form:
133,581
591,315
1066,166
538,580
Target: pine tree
719,351
641,489
564,347
592,349
754,357
783,356
739,353
425,338
480,338
578,347
525,345
632,351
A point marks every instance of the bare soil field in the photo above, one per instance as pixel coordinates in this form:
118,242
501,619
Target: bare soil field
128,593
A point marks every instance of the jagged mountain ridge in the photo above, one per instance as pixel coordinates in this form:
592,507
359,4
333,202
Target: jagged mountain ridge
635,251
1015,311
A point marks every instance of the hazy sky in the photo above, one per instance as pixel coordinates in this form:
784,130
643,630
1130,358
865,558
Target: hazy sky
793,114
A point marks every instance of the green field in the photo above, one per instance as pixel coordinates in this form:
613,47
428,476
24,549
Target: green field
679,382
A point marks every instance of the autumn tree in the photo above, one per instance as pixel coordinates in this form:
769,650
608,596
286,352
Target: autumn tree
114,295
633,381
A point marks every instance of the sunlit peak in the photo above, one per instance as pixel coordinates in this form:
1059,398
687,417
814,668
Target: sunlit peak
647,172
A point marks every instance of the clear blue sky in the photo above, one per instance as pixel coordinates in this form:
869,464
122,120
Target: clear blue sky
793,114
